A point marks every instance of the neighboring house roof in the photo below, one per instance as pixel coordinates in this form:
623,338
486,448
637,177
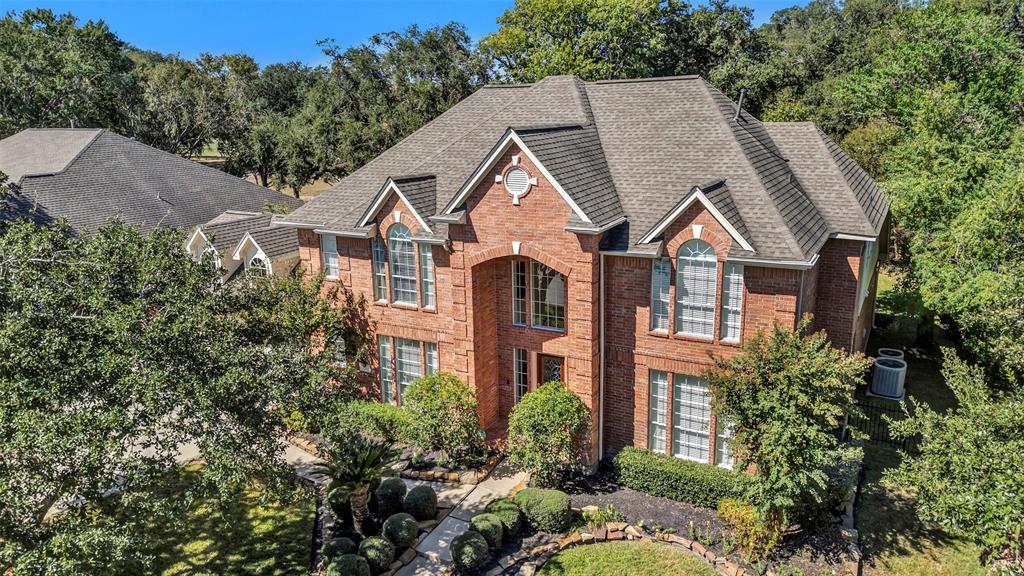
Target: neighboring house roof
626,154
226,230
230,231
88,176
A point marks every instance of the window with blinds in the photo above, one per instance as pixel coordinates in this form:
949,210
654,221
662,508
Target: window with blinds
519,292
657,418
408,363
691,418
403,265
430,357
380,280
427,296
732,302
696,286
329,249
661,275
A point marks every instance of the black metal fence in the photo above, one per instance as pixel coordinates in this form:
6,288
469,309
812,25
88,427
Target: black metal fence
872,421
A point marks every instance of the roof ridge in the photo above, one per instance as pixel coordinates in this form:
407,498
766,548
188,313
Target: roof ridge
73,159
654,79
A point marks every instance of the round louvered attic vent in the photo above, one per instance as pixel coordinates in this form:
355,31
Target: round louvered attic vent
517,181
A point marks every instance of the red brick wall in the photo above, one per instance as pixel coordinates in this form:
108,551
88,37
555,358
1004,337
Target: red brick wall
838,270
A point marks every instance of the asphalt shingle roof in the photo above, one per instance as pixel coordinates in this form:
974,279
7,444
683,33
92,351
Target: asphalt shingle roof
623,149
90,176
227,229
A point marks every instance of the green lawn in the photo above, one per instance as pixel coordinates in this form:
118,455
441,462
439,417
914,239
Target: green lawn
625,559
249,539
894,542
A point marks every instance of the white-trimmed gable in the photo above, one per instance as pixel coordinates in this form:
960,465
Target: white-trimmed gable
696,195
389,188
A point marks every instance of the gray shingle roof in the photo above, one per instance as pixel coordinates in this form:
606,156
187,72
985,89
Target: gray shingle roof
227,229
90,176
621,149
276,241
421,192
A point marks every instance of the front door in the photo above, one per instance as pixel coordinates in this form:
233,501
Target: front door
551,368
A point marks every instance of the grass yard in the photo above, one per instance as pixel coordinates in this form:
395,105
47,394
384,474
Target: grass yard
250,539
625,559
894,541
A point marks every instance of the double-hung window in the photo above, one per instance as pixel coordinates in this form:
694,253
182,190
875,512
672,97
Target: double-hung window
661,276
427,276
519,292
380,277
548,302
403,265
403,360
329,248
691,418
696,288
430,357
387,382
657,418
723,438
409,364
732,302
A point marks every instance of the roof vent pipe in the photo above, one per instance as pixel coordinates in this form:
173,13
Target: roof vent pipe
739,105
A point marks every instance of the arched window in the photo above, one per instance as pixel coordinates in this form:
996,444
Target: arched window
403,265
696,286
257,266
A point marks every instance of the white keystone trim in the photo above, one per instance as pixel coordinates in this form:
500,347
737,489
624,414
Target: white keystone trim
390,187
511,138
696,194
697,230
516,245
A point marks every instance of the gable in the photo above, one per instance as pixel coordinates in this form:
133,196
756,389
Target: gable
418,193
698,196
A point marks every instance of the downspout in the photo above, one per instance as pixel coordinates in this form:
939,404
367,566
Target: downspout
600,414
800,299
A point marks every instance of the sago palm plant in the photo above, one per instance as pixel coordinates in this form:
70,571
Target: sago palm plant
351,469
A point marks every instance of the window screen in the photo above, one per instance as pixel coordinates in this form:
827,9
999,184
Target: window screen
661,273
732,301
691,417
658,412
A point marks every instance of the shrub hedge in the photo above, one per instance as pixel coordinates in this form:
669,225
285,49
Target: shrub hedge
545,510
547,432
470,552
489,526
379,553
349,565
384,421
337,547
401,530
421,502
509,513
682,480
442,413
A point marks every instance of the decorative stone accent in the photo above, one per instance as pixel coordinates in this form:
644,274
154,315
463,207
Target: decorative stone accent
601,534
614,535
698,548
586,537
569,540
408,556
630,531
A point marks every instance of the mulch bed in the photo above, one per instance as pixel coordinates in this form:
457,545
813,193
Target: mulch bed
816,554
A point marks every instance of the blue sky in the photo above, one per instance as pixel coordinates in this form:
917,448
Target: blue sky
280,31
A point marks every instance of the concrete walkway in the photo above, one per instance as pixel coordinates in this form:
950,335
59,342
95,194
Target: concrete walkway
434,548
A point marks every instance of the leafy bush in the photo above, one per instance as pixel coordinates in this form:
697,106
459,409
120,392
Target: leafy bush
602,516
442,412
337,547
756,537
545,510
385,421
682,480
379,553
489,526
421,502
400,529
547,431
509,513
349,565
470,552
390,494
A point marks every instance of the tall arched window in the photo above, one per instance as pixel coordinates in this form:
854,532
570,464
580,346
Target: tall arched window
696,286
403,265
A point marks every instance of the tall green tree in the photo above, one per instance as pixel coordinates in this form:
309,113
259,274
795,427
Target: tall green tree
116,350
56,73
785,395
969,476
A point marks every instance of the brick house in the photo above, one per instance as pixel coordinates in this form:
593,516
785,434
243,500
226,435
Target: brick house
612,235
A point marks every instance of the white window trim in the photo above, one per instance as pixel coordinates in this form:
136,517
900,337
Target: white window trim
332,241
742,287
533,265
680,305
426,267
393,254
672,420
668,293
526,290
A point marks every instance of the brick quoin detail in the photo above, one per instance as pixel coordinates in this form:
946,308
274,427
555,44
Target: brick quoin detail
472,322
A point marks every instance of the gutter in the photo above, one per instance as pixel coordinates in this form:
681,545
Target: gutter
591,230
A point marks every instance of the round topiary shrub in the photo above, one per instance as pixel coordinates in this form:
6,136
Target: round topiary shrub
400,529
470,552
489,526
547,432
510,515
389,496
349,565
421,502
337,547
338,501
379,553
545,510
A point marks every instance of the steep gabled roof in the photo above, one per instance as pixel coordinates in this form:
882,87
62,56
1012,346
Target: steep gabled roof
89,176
227,229
624,153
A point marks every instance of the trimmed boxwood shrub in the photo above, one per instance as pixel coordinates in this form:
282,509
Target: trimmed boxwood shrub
470,552
489,526
384,421
390,494
337,547
379,553
349,565
675,478
510,515
421,502
442,412
545,510
400,529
